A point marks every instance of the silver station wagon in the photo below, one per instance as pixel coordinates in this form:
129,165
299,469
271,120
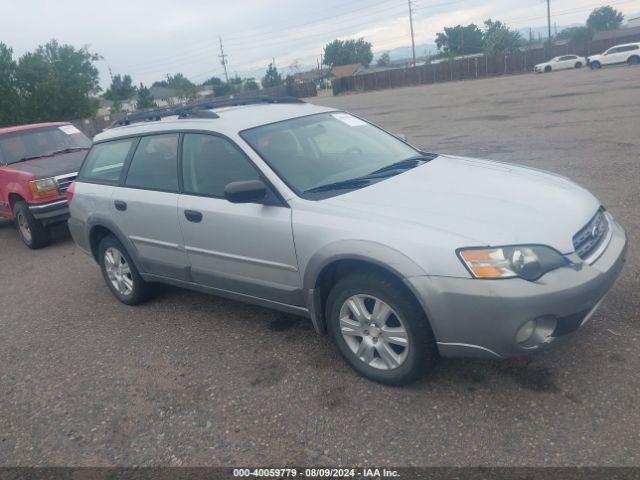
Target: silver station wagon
400,254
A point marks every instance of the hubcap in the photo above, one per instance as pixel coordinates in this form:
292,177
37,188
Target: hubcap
118,271
374,332
23,225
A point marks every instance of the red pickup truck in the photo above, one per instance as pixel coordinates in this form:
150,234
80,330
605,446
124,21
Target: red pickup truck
37,165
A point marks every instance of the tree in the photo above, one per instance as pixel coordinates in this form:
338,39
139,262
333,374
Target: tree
580,35
498,38
605,18
182,85
460,40
55,82
145,99
345,52
384,60
251,85
9,99
121,88
272,78
213,81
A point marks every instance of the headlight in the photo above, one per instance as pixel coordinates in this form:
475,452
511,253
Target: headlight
47,187
529,262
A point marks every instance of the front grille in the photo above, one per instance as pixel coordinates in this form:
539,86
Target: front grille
587,240
64,182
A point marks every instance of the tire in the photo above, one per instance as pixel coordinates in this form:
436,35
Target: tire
595,65
404,364
31,231
120,273
547,69
634,60
578,65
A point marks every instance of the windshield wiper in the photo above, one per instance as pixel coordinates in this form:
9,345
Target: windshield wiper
405,164
342,185
57,152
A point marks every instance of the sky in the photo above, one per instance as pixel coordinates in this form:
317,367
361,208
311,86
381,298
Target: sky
149,39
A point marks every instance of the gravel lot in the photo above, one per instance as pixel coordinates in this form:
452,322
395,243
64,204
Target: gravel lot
189,379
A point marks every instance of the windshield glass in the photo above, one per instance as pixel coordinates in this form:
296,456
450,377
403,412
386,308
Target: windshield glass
40,142
323,149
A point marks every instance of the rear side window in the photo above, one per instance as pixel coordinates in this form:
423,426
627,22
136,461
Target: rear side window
105,161
154,165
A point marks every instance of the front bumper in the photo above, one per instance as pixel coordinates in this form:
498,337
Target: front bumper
51,212
480,318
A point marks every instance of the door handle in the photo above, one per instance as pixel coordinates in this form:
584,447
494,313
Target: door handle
120,205
193,216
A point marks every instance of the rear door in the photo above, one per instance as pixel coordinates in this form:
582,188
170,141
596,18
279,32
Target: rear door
145,206
245,248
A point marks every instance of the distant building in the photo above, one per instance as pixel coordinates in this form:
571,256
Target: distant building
346,70
165,96
319,77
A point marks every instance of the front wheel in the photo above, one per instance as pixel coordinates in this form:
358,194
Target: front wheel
547,69
595,65
32,233
120,274
380,329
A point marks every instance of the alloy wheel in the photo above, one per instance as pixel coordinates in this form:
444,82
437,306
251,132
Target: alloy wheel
374,332
23,226
118,271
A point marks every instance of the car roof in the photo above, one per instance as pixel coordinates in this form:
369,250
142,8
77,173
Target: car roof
632,44
230,121
32,126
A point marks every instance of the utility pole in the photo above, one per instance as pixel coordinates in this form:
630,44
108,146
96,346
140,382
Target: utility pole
223,60
413,41
549,20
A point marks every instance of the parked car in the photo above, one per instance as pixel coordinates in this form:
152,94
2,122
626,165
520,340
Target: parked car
563,62
400,254
37,164
628,53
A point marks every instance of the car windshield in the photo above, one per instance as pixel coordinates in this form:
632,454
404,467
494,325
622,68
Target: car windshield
328,149
40,142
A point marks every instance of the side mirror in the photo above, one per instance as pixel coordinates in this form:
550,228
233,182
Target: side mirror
401,136
251,191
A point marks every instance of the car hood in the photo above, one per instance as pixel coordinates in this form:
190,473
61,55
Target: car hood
494,203
52,166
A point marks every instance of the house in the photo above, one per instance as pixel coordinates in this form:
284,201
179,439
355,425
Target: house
104,107
317,76
346,70
165,96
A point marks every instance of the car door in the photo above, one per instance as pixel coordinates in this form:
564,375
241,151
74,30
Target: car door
145,206
245,248
612,56
564,62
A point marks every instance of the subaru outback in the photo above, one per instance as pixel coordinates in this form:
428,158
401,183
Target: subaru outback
400,254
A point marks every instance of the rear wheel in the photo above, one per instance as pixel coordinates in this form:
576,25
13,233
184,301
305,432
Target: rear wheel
32,233
120,274
578,65
380,329
595,65
634,60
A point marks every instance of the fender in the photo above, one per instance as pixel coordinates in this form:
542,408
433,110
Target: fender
372,252
100,221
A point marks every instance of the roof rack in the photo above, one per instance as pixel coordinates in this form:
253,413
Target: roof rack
200,110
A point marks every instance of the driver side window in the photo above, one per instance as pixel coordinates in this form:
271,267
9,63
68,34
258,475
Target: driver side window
210,163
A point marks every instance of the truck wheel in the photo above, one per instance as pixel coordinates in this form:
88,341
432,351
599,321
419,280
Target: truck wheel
32,233
380,329
120,273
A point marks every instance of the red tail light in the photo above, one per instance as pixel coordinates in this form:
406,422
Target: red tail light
69,192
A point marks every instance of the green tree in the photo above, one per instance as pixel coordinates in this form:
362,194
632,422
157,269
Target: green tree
384,60
345,52
605,18
121,88
580,35
460,40
213,81
272,78
56,82
145,99
250,85
182,85
498,38
9,99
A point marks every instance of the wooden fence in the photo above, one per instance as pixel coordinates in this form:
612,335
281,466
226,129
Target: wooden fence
470,68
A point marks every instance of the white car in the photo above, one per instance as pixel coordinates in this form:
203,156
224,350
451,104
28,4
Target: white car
628,53
564,62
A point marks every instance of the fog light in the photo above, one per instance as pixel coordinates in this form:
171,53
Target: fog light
526,331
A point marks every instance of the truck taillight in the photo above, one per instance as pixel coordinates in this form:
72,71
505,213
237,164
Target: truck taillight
69,193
